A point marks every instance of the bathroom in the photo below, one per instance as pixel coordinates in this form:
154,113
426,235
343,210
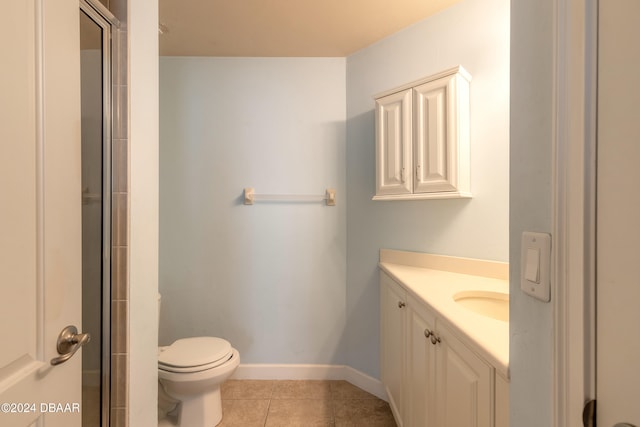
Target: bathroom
297,283
326,277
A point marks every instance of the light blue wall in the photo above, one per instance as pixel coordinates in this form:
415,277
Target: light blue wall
270,278
474,34
531,321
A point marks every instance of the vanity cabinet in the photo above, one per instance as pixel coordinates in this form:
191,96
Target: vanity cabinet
393,300
432,378
422,139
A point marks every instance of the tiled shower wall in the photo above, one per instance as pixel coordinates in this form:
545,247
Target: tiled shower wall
119,223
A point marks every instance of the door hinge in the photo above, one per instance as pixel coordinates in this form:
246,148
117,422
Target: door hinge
589,414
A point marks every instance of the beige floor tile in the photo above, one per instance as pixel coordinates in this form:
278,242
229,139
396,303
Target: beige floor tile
341,390
362,413
249,403
300,413
309,389
244,413
247,389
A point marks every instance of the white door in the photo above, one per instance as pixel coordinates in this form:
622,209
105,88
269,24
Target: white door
618,212
40,211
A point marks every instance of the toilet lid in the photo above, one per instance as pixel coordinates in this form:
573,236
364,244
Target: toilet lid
193,352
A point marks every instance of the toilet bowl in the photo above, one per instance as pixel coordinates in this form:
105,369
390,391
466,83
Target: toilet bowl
190,373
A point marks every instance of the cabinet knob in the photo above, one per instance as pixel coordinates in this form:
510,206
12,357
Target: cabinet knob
401,304
427,333
434,339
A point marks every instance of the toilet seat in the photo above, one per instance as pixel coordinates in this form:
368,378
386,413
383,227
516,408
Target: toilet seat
194,354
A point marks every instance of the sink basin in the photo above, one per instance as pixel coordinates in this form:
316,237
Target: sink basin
486,303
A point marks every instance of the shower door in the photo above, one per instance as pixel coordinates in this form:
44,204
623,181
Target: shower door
95,77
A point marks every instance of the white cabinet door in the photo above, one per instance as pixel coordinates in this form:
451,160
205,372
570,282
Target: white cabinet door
442,135
394,144
421,367
393,304
463,384
40,219
437,136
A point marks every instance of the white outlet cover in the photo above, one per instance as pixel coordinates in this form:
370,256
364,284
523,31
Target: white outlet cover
532,243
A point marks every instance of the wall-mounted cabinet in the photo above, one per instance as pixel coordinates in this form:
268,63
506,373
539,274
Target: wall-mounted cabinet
422,139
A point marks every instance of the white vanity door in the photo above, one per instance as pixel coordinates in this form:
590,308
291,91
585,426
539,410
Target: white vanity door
392,352
463,390
421,381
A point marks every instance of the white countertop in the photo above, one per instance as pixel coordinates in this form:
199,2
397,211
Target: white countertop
431,283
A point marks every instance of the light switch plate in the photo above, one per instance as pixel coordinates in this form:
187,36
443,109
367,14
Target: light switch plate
542,243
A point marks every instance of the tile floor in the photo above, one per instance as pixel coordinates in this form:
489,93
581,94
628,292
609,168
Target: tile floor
249,403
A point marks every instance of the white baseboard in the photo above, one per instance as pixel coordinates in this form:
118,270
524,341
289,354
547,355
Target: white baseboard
365,382
267,371
311,372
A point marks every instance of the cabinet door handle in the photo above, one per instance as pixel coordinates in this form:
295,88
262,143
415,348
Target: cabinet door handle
401,304
435,339
427,333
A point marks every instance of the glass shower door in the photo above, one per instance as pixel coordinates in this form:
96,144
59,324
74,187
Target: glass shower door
96,218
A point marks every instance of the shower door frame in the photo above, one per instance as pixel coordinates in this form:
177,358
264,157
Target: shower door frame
97,12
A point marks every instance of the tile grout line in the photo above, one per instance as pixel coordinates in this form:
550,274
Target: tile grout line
266,417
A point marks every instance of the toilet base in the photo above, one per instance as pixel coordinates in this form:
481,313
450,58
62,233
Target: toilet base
165,422
205,410
198,394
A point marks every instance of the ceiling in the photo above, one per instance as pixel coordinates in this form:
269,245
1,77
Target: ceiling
324,28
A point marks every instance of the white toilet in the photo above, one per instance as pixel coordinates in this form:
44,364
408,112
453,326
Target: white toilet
190,372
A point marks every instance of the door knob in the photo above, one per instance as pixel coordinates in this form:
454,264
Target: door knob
589,414
69,341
